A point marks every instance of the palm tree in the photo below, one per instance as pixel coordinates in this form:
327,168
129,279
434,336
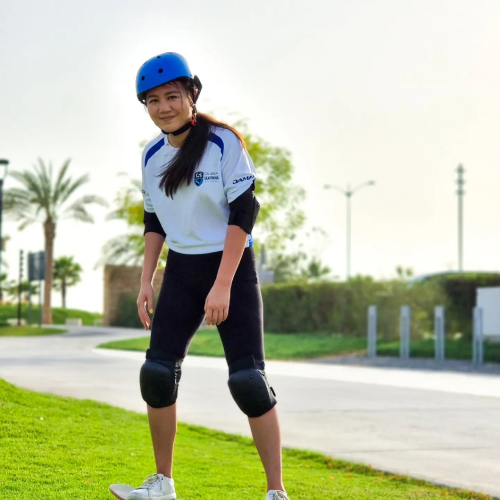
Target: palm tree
12,288
128,249
46,200
66,273
3,276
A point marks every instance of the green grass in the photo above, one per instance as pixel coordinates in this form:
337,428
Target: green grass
21,331
311,345
56,448
455,349
59,315
278,346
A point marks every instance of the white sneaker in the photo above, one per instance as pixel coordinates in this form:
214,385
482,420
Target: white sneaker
276,495
156,486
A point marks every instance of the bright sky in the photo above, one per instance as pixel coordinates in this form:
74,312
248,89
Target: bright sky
400,92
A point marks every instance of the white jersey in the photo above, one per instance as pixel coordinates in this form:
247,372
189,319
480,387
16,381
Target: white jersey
196,219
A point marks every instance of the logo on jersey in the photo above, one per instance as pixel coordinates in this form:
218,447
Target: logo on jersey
242,179
198,178
201,177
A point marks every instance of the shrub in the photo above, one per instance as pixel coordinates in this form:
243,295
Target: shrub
343,307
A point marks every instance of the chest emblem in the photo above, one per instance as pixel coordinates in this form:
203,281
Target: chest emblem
198,178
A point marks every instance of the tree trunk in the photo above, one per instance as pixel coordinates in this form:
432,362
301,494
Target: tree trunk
50,233
63,291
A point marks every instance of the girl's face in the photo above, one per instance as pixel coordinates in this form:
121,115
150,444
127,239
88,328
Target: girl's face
169,106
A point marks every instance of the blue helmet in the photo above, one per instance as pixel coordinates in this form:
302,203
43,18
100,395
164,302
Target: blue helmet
163,69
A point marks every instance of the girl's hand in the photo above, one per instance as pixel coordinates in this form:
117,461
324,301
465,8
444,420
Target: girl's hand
217,304
145,304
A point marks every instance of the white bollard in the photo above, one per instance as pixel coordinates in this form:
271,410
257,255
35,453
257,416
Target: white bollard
372,331
405,327
478,337
439,333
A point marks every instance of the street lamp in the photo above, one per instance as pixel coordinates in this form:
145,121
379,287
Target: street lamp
348,194
3,173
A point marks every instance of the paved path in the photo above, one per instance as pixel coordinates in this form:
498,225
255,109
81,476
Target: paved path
438,425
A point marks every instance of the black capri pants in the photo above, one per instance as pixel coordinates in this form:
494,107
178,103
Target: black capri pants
187,281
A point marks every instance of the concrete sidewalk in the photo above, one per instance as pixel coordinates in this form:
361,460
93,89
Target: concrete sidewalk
437,425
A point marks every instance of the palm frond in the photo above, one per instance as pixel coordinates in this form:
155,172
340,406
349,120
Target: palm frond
43,195
60,184
92,198
17,204
78,208
15,198
26,222
32,185
71,187
77,212
44,179
126,249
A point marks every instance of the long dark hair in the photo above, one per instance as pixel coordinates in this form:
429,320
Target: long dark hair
181,169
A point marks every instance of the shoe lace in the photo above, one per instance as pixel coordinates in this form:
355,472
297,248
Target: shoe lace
150,482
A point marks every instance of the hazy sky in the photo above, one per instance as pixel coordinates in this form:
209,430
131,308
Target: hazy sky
397,91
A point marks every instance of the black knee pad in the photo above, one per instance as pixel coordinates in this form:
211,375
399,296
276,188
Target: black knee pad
251,391
159,380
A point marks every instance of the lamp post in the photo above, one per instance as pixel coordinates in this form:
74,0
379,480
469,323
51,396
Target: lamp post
3,173
348,193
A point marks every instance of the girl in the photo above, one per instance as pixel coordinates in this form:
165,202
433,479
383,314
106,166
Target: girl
198,190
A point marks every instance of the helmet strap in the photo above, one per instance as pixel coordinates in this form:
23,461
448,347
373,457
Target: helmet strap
185,127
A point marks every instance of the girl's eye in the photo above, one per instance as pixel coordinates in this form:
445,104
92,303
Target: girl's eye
173,97
152,101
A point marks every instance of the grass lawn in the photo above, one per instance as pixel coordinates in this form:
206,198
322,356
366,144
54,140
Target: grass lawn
20,331
60,448
59,315
311,345
278,346
454,349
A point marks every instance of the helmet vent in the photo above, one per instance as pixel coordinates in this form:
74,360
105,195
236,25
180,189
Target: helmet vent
160,71
143,78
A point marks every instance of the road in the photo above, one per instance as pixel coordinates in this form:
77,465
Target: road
436,425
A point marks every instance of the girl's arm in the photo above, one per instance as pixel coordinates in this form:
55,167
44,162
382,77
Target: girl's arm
217,302
152,250
234,245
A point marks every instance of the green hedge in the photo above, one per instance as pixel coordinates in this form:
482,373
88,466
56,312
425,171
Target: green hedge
59,314
343,307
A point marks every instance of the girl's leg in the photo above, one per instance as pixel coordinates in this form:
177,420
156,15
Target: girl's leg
163,426
267,437
179,313
242,336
